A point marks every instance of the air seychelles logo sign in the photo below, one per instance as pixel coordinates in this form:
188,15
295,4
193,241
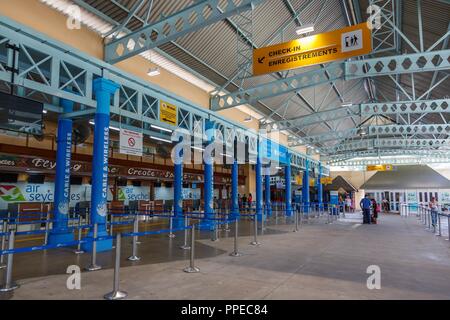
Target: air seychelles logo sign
11,193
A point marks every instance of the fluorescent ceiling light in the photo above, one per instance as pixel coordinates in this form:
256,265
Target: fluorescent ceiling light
305,29
279,168
152,72
110,127
160,128
160,139
226,155
197,148
44,111
346,104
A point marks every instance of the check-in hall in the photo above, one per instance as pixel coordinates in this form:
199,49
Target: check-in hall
220,150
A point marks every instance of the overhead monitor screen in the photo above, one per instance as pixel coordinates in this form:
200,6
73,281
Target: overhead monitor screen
21,114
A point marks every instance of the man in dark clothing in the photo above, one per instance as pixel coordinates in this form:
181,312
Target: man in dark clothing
365,206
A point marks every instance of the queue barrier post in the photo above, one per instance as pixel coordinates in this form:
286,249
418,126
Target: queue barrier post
236,253
171,234
9,285
192,268
3,243
80,229
46,229
439,222
94,266
116,294
296,220
134,256
255,233
448,227
215,231
185,245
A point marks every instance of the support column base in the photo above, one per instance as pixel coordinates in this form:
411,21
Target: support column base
206,225
56,237
102,245
177,222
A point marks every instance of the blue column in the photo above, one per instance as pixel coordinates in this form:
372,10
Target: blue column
60,232
259,186
209,182
234,190
178,221
103,90
287,178
305,187
267,192
320,187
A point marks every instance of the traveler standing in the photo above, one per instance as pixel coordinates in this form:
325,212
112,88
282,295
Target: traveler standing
375,209
434,207
365,206
250,200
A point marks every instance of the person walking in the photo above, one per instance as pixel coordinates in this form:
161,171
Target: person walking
365,204
250,200
433,204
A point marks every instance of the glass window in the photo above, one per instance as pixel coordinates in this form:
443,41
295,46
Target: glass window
420,197
426,196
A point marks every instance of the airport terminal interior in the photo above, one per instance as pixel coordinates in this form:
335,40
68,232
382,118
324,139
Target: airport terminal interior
224,150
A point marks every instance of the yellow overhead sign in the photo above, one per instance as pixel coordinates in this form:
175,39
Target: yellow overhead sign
167,113
312,182
320,48
299,180
380,167
326,180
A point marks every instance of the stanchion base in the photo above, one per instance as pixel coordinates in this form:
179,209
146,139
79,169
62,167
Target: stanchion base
215,240
134,258
191,270
171,235
93,268
235,254
255,243
116,295
78,251
12,287
185,247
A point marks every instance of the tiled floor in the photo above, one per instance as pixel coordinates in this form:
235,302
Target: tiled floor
321,261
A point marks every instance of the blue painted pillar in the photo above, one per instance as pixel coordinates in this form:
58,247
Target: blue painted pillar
287,178
305,187
60,232
234,190
178,220
209,181
267,192
103,90
320,187
259,186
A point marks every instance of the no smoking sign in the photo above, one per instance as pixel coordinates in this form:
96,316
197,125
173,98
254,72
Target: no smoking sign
131,142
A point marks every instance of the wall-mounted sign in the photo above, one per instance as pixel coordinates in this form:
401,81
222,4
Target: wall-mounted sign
167,113
380,167
326,180
84,168
320,48
131,142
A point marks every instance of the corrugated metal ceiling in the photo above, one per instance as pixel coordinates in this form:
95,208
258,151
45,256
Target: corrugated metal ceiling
211,51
